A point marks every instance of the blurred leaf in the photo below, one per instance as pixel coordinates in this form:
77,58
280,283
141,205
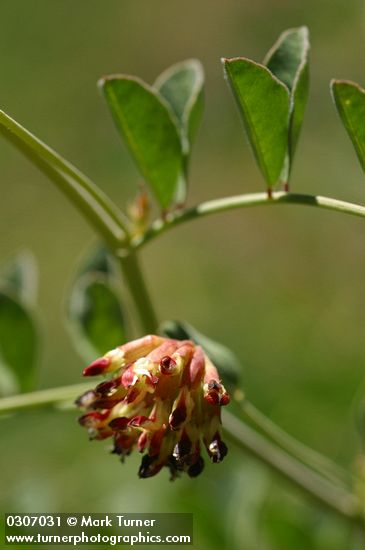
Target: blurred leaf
264,103
18,342
96,316
288,61
86,196
227,363
148,125
19,276
182,87
349,99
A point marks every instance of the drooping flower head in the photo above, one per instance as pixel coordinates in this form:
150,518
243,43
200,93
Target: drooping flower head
161,396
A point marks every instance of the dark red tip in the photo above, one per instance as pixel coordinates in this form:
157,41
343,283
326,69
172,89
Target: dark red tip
131,395
177,417
123,444
167,365
197,468
182,448
149,467
216,394
106,387
92,418
105,403
225,399
97,367
212,398
119,423
217,449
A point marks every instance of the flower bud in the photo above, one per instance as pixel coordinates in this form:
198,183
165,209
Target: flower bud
163,398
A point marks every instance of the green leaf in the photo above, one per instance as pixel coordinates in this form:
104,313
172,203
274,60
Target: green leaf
288,56
288,61
349,99
96,316
182,87
227,363
20,277
86,196
95,312
18,343
264,103
273,118
149,127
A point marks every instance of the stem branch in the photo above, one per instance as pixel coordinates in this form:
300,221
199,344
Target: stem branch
42,398
242,201
137,287
311,458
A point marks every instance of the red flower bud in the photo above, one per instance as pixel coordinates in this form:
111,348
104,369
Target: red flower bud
97,367
163,398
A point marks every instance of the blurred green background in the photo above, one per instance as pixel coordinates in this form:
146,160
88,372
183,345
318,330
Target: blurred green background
283,286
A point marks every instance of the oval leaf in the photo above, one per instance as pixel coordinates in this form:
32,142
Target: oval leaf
264,103
147,124
96,316
182,87
349,99
288,61
223,358
18,342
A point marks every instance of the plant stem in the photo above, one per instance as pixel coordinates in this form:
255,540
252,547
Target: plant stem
42,398
323,465
137,287
242,201
334,498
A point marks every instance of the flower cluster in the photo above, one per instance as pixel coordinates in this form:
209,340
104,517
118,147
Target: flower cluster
161,396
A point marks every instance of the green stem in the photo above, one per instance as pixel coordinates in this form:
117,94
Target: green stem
319,463
42,398
243,201
137,288
332,497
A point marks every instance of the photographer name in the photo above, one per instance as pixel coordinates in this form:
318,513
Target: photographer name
116,521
